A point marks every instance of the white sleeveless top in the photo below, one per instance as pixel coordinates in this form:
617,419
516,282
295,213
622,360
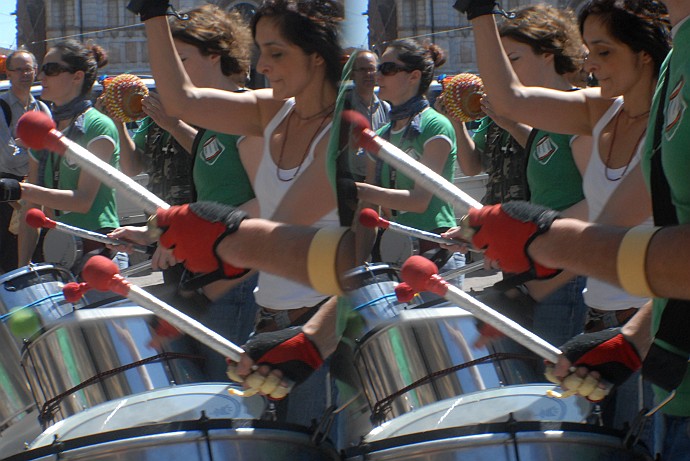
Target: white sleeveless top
272,291
598,189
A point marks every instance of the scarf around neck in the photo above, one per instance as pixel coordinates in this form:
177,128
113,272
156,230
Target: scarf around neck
70,110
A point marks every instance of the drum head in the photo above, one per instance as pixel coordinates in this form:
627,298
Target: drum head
179,403
62,249
522,403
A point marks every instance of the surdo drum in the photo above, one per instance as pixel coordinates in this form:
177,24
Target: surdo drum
33,291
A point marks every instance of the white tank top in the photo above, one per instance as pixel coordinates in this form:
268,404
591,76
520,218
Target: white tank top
598,189
272,291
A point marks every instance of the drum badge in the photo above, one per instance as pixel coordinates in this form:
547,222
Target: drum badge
545,149
675,110
211,150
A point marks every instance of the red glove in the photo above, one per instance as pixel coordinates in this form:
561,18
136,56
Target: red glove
288,350
506,231
607,352
194,231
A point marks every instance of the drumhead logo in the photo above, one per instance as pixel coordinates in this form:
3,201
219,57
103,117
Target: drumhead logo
545,149
211,150
675,110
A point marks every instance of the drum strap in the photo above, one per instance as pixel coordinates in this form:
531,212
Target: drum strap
661,366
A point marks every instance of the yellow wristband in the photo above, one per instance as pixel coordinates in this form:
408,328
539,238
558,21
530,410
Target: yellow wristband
321,260
632,256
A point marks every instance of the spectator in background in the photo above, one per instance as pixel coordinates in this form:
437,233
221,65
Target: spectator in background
14,160
364,100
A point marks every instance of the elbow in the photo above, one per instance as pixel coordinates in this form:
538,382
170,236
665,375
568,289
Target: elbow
177,103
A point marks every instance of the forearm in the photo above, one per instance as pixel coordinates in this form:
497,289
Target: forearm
184,134
172,82
397,199
638,330
57,199
321,328
280,249
131,162
519,131
592,250
469,157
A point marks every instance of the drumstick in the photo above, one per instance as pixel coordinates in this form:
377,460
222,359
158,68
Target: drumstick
421,275
37,219
421,174
37,130
370,218
102,274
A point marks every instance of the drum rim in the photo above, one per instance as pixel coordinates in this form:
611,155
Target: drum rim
203,424
352,278
509,427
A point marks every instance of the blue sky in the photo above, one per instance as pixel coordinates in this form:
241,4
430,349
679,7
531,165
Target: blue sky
8,24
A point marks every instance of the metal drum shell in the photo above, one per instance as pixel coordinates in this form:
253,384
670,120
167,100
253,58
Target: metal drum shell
199,440
512,441
40,286
421,342
93,341
63,249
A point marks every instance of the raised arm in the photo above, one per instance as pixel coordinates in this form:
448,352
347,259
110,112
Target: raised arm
234,113
568,112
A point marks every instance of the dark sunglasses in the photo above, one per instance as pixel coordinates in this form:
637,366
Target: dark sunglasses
51,69
391,68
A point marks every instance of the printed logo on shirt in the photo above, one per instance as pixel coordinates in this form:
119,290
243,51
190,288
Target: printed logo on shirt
69,163
211,150
675,110
545,149
413,153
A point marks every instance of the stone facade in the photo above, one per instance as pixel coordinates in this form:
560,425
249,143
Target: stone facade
435,20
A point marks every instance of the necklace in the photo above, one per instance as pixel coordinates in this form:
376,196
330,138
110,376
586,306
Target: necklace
613,140
326,110
306,151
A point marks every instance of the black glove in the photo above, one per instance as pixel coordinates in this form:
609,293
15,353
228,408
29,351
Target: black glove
475,8
607,352
147,9
10,190
288,350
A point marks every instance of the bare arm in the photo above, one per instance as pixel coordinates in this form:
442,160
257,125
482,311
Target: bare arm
592,250
79,200
416,199
227,112
570,112
469,157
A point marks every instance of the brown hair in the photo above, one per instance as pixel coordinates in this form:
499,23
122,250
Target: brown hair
547,29
423,57
215,31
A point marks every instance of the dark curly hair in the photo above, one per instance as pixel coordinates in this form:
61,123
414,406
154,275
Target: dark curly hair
312,25
547,29
87,58
216,32
642,25
423,57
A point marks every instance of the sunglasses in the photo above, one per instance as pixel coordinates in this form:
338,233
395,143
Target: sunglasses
391,68
51,69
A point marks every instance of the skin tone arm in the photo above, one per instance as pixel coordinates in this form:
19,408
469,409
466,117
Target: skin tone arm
234,113
417,199
574,112
130,157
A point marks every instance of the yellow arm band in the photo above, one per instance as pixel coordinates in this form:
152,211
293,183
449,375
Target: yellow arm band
632,256
321,260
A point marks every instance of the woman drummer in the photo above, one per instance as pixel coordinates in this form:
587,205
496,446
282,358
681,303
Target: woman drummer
67,76
301,56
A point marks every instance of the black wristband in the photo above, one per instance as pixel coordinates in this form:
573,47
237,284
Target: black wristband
147,9
10,190
475,8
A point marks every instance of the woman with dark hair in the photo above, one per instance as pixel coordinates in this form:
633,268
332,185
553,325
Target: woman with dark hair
301,56
404,75
68,73
627,42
